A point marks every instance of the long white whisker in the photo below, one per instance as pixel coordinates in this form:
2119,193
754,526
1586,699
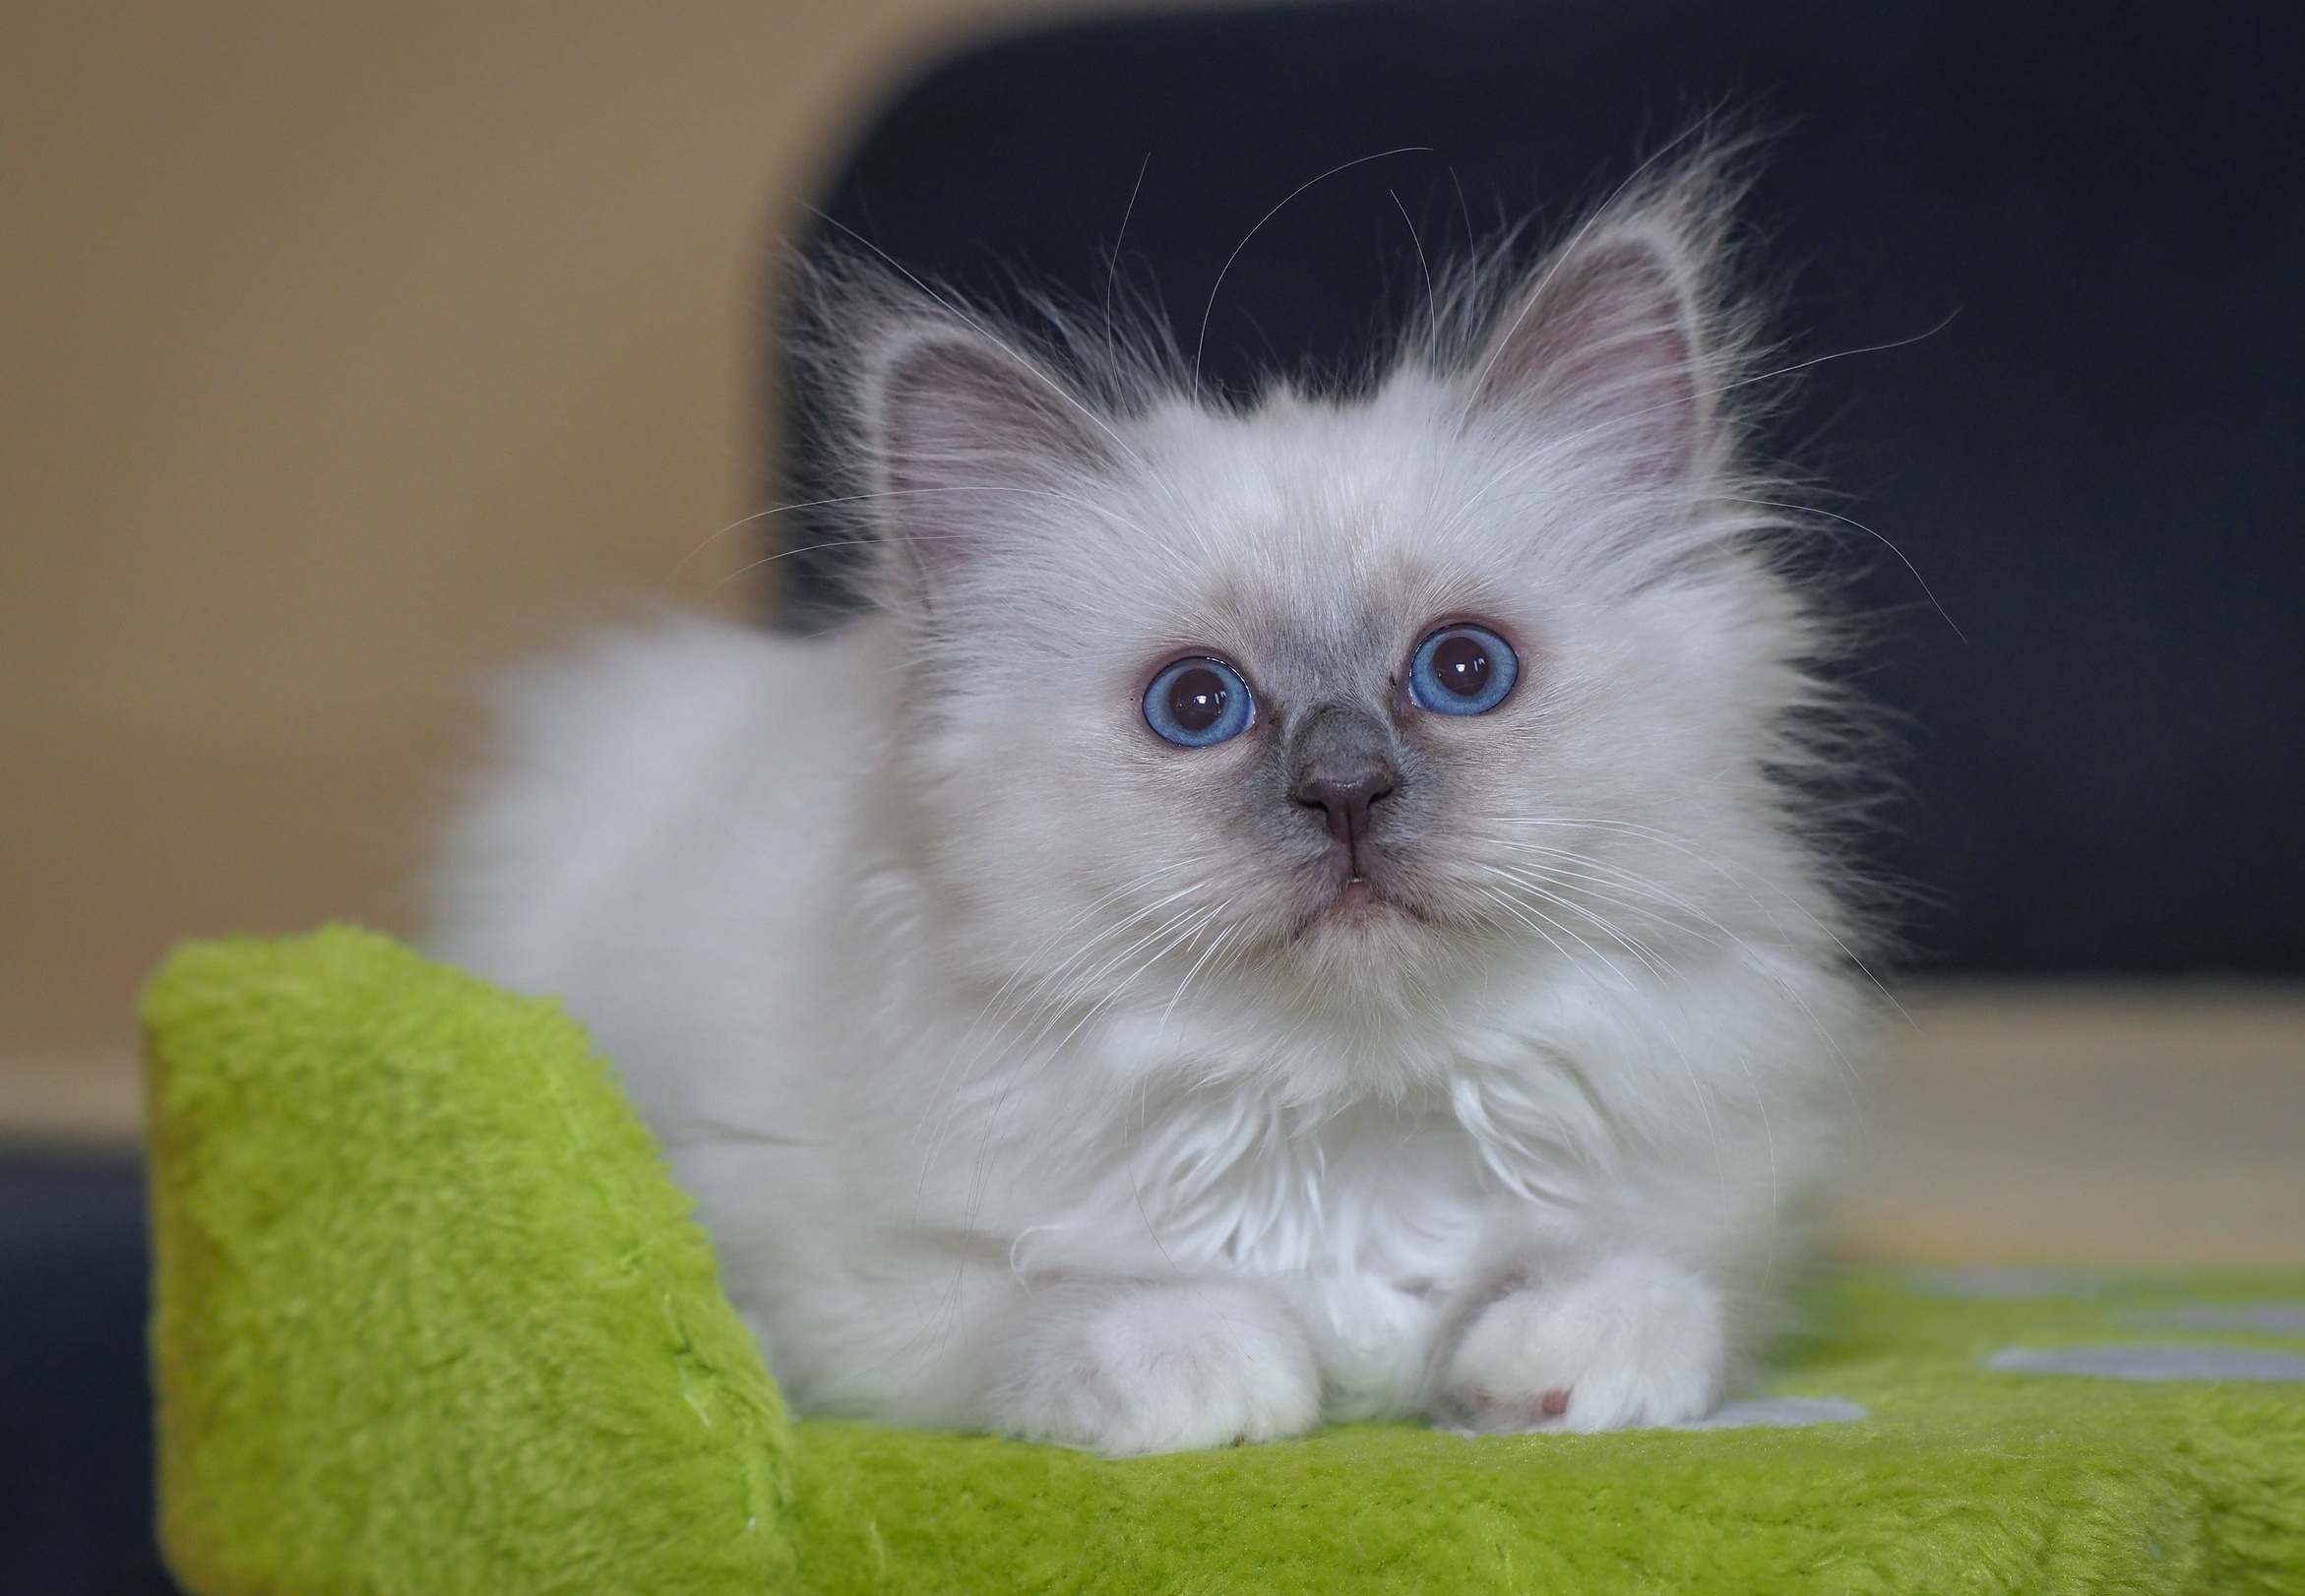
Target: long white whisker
1730,874
1608,928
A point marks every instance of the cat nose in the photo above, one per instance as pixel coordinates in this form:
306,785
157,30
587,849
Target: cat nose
1347,792
1340,761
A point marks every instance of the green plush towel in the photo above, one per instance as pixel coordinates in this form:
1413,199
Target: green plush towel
429,1316
432,1319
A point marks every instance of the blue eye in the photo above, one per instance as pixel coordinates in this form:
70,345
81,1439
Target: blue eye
1461,670
1196,702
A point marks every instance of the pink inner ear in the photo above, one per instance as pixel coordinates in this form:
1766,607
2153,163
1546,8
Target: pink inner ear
976,440
1601,345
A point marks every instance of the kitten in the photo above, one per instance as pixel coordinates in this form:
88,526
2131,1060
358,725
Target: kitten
1297,912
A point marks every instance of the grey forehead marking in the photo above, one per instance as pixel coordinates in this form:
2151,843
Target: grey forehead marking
1341,659
2153,1360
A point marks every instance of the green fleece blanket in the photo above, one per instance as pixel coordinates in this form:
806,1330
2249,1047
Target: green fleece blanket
432,1319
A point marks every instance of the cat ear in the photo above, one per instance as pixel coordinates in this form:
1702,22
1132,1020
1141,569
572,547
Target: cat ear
972,440
1604,343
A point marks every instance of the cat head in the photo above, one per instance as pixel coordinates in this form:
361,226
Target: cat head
1359,699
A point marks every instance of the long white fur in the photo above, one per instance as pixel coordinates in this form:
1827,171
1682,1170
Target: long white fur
1014,1084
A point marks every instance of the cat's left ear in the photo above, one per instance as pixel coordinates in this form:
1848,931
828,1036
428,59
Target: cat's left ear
1604,344
973,440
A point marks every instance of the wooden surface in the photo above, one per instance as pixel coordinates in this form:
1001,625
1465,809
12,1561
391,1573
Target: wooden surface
2153,1124
2094,1124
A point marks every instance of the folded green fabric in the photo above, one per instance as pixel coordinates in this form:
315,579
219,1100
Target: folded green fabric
431,1317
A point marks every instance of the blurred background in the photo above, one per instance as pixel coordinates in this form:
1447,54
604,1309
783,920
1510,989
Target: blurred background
345,350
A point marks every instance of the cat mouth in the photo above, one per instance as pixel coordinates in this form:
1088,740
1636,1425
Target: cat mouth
1356,901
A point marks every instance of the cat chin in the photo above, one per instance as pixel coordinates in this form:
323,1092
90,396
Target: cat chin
1359,935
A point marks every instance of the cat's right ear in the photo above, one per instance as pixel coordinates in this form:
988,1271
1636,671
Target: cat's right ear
972,440
1606,342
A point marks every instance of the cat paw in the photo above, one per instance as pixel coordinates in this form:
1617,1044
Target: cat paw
1131,1369
1627,1344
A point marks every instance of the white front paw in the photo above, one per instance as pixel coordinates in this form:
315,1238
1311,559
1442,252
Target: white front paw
1128,1368
1629,1343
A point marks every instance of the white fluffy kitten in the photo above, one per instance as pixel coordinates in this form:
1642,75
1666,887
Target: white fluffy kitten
1277,914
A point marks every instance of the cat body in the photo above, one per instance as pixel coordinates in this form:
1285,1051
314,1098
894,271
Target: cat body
1369,1052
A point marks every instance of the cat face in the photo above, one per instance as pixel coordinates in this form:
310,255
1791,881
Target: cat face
1375,695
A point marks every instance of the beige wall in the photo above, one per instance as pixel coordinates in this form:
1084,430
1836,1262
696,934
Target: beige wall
343,348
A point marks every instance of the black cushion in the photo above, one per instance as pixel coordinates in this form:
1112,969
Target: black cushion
76,1442
2094,213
